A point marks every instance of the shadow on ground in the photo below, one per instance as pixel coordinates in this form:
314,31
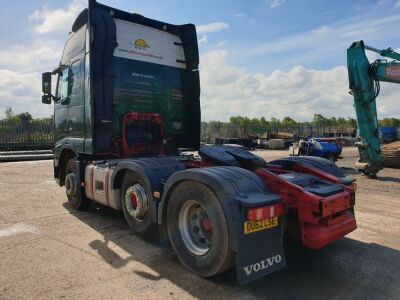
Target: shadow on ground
349,171
388,178
346,269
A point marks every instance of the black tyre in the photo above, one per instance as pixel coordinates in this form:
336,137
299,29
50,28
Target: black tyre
136,202
72,186
198,230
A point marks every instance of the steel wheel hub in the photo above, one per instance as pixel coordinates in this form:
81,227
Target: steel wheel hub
70,184
195,227
137,202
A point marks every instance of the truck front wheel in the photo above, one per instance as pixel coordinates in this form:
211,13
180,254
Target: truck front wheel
72,186
198,230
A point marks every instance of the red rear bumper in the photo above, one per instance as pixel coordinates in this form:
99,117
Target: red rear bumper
317,236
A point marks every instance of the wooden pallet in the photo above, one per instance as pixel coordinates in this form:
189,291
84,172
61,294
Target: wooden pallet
391,154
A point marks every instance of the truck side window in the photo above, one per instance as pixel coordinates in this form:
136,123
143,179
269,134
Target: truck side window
77,82
62,91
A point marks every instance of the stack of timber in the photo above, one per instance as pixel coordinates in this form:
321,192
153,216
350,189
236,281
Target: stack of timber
391,154
281,135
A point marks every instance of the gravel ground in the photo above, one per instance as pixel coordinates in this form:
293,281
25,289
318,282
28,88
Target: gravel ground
48,250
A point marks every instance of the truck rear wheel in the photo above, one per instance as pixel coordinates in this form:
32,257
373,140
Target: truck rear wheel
136,204
72,186
198,230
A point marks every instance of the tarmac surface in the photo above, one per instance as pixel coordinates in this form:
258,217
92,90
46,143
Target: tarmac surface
48,250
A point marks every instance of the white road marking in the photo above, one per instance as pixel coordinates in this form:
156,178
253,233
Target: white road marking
16,229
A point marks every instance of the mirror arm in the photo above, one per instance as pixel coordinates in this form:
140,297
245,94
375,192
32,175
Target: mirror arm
58,69
55,99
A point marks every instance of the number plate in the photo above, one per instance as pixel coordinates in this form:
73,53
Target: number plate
253,226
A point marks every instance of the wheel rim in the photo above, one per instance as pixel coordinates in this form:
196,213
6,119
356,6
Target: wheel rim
70,184
196,227
71,181
137,202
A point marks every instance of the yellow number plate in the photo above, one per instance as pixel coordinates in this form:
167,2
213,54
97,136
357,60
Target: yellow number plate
253,226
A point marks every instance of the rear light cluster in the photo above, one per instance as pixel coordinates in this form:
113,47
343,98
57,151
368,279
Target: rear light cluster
265,212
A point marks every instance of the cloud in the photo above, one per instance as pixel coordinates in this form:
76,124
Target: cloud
358,32
299,93
211,27
327,43
240,15
321,30
22,92
21,67
221,44
275,3
57,19
203,40
372,56
38,56
338,32
397,4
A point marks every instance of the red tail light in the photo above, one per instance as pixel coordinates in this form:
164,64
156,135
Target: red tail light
265,212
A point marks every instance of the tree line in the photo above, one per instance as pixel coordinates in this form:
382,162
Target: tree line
24,118
318,120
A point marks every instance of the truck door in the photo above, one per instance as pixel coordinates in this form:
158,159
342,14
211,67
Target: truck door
76,125
61,107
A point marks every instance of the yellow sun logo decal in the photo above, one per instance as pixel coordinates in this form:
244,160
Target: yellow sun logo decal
141,44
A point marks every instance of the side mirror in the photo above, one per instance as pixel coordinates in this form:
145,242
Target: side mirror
46,99
46,83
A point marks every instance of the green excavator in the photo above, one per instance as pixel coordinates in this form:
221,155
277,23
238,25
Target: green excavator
364,82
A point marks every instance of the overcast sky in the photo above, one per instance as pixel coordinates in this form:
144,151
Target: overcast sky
270,58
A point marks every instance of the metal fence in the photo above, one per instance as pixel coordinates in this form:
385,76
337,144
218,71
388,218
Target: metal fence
40,135
25,135
225,130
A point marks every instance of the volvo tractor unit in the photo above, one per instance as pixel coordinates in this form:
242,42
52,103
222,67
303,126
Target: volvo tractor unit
126,99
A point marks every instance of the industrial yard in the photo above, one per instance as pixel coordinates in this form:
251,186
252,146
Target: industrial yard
199,150
49,250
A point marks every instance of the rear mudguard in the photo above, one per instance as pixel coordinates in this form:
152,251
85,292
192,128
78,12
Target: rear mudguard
316,166
258,253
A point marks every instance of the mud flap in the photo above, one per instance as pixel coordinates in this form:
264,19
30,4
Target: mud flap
81,179
260,253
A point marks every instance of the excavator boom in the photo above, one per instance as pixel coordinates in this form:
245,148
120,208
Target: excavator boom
364,83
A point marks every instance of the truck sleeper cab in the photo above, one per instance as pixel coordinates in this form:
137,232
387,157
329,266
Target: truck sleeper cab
126,100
